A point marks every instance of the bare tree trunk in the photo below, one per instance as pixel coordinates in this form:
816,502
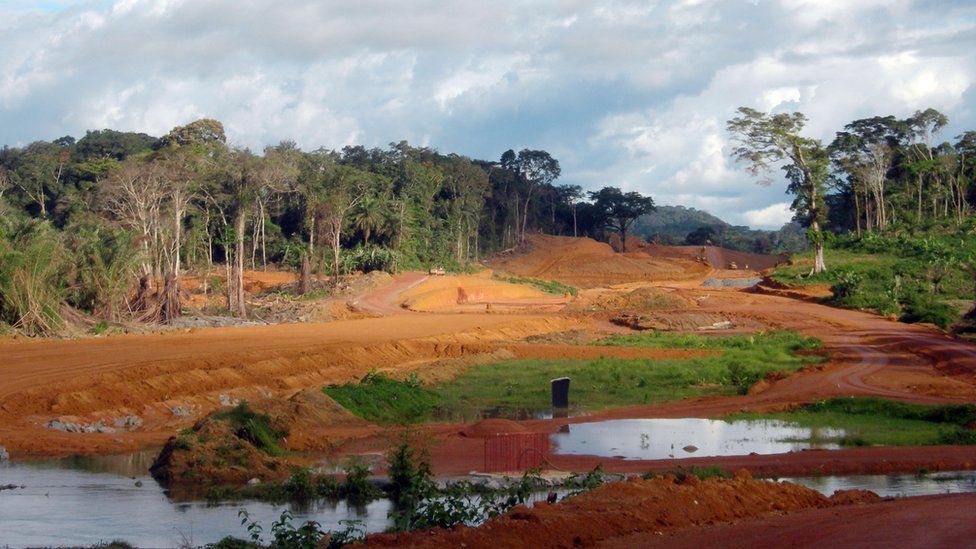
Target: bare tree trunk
239,310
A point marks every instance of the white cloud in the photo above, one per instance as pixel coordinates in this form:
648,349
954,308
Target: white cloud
624,92
772,216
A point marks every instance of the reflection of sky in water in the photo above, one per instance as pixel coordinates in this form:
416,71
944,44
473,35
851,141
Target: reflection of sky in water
665,438
95,500
895,485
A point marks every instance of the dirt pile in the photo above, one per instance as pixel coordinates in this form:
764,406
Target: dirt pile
213,452
640,299
586,263
622,508
715,257
674,321
488,427
450,292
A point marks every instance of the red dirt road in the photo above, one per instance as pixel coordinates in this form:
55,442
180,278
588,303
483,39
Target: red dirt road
922,522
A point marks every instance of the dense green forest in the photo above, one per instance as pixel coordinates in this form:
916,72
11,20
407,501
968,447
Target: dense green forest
106,224
83,219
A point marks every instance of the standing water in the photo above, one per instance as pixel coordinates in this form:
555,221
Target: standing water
688,437
83,501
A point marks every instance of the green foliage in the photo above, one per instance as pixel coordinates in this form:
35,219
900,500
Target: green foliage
368,258
463,504
871,421
308,535
103,268
410,474
379,398
255,428
32,262
909,276
356,486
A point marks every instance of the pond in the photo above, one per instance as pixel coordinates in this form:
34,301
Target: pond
688,437
82,501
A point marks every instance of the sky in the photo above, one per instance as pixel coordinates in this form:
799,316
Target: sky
629,94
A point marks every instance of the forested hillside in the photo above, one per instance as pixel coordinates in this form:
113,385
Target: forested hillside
676,225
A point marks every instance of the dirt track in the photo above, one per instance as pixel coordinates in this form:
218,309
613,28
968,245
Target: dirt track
922,522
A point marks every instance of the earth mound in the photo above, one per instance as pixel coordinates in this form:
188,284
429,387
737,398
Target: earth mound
618,509
232,446
448,292
640,299
586,263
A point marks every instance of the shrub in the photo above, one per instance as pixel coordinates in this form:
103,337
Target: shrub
925,308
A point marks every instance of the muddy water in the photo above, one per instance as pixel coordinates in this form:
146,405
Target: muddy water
85,501
689,437
894,485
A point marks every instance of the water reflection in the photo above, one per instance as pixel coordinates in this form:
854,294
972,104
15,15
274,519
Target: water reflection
82,501
689,437
894,485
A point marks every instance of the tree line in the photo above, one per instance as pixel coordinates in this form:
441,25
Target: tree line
120,207
879,174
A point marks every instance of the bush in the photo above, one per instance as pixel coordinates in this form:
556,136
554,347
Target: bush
32,263
925,308
369,258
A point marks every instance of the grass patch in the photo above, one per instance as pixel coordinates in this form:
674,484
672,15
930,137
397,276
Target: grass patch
255,428
548,286
385,400
607,382
882,422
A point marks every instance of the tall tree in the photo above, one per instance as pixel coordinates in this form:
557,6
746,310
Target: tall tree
533,168
763,140
618,210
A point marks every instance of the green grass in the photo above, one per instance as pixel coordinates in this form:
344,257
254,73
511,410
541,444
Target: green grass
523,386
548,286
609,382
882,422
255,428
384,400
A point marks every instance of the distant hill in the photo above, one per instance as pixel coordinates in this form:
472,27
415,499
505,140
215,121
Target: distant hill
681,225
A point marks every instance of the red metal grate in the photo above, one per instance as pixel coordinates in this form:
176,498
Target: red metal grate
515,451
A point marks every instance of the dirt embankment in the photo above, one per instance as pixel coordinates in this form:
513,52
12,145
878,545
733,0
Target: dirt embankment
586,263
466,293
169,381
714,256
624,509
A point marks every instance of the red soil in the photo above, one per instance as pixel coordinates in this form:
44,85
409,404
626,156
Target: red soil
621,509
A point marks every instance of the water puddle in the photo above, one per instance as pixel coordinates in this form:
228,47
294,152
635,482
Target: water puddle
688,437
949,482
82,501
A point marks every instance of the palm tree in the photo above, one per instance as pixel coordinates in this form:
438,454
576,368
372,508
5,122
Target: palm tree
370,216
